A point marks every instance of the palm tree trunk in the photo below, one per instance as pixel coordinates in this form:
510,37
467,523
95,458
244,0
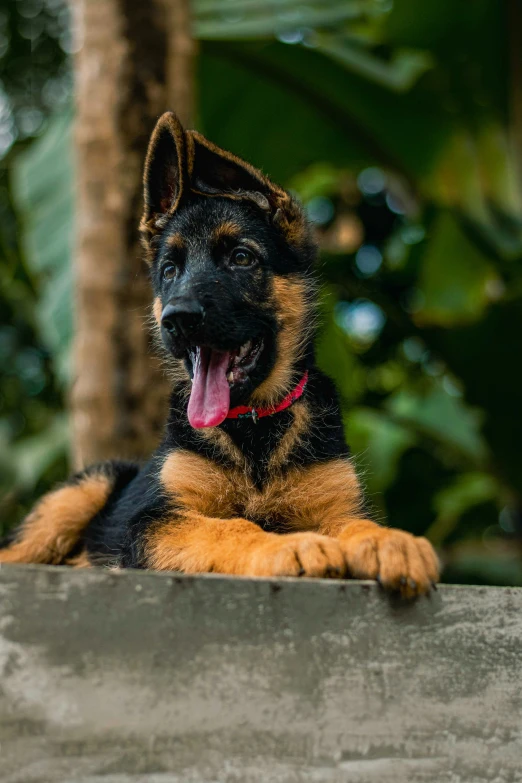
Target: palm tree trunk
135,60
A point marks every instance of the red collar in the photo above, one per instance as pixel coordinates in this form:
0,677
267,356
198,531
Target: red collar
245,411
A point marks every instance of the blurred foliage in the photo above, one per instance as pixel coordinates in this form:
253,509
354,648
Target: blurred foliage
35,82
394,123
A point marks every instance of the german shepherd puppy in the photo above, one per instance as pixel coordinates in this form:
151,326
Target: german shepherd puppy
253,476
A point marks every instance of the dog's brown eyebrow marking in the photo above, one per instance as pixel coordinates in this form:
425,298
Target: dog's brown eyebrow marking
226,230
175,242
252,244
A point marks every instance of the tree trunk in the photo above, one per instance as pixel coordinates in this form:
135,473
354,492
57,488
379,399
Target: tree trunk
135,60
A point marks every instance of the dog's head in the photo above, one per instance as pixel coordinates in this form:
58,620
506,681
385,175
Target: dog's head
231,265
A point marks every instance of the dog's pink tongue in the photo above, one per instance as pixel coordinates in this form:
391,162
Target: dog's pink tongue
210,396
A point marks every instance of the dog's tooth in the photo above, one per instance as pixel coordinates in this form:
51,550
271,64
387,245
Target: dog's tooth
245,349
230,377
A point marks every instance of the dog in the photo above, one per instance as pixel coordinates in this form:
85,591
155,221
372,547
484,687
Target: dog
253,476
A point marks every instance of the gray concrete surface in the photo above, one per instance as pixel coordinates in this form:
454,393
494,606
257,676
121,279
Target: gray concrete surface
120,677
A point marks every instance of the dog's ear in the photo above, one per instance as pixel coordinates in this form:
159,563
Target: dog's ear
165,178
213,171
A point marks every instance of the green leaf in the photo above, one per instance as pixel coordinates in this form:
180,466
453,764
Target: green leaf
377,443
398,73
468,490
32,455
455,277
446,419
310,108
241,19
42,181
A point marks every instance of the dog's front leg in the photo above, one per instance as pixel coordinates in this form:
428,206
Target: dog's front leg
193,543
326,498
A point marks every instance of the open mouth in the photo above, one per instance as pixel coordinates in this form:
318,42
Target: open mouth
214,374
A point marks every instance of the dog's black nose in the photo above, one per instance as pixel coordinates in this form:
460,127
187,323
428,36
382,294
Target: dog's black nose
182,317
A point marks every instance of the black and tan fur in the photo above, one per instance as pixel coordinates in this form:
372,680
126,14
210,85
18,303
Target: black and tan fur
276,497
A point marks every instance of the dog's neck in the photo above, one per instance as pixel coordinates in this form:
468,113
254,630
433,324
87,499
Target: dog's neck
260,412
252,443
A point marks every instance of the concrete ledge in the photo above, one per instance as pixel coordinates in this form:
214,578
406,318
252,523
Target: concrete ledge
113,677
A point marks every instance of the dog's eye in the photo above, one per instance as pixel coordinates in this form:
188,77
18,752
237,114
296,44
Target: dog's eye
242,257
168,272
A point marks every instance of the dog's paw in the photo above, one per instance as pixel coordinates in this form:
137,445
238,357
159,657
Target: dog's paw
399,561
298,554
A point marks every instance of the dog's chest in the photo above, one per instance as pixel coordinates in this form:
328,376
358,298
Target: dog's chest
198,484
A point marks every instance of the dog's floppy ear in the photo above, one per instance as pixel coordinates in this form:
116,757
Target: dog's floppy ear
165,177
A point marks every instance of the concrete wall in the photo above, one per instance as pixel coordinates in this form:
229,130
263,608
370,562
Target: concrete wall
118,677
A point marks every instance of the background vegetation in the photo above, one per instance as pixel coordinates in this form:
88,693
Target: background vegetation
400,126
